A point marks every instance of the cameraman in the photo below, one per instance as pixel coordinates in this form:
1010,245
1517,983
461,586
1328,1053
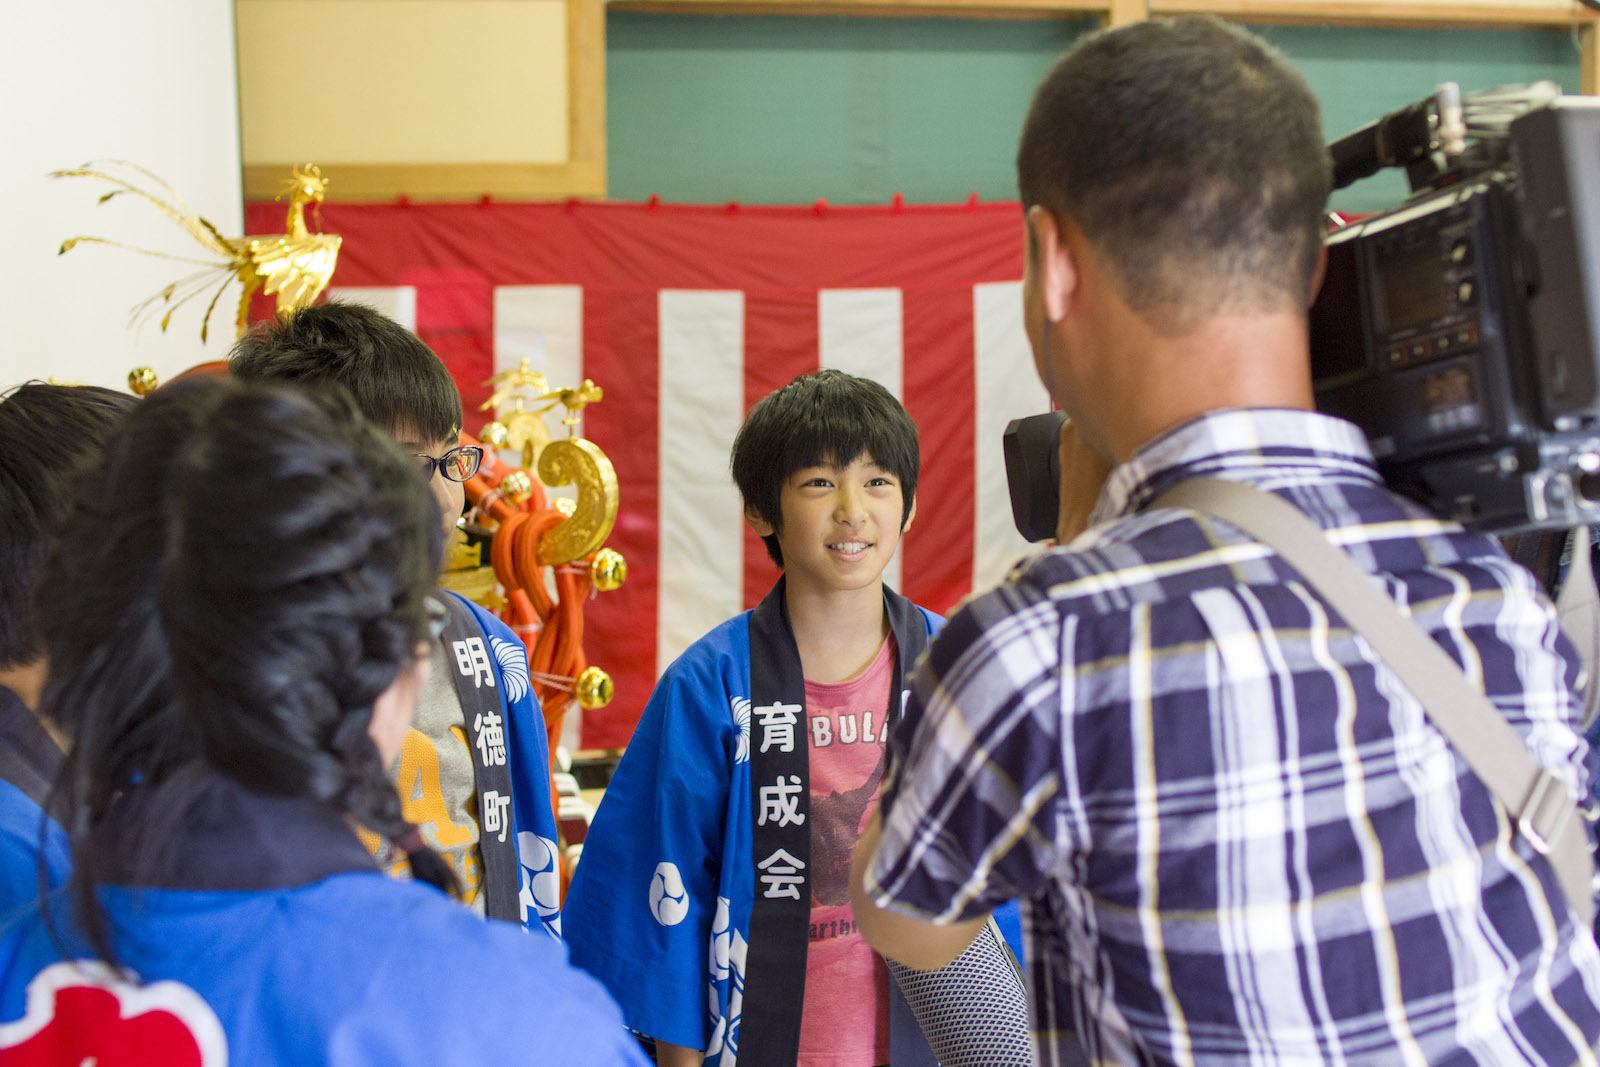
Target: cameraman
1237,835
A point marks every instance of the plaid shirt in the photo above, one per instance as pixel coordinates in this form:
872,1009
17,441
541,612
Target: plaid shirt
1238,837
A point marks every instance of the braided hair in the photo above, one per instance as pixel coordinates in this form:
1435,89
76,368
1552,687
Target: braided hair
260,559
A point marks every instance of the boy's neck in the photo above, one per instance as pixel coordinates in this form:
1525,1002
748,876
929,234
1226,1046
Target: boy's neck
838,631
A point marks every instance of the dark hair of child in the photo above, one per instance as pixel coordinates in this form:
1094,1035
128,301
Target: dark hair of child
238,583
397,381
827,417
48,433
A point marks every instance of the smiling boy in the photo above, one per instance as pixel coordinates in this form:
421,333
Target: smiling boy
712,898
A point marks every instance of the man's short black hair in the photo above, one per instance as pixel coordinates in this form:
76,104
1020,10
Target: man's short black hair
395,379
825,417
1190,154
48,434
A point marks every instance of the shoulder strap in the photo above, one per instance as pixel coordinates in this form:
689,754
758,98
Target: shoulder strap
1578,608
1543,807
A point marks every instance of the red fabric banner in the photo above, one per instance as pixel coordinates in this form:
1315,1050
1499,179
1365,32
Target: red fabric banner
925,291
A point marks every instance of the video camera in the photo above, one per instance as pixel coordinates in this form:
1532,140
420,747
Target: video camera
1460,330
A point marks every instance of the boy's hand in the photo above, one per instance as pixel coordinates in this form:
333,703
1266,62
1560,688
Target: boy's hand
1083,475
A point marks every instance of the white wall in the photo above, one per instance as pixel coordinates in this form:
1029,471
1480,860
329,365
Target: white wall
151,81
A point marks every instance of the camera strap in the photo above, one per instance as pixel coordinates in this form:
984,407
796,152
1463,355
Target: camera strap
1543,809
1578,608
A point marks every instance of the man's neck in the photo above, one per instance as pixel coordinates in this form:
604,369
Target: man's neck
838,632
1158,381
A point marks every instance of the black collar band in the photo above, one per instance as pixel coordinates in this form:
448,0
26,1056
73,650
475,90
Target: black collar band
232,838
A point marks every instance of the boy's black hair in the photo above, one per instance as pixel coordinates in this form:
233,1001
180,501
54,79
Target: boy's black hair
397,382
48,433
1190,154
825,417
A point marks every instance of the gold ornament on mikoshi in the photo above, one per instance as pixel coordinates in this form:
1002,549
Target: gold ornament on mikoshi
294,266
594,689
518,485
519,398
142,381
494,434
576,461
609,570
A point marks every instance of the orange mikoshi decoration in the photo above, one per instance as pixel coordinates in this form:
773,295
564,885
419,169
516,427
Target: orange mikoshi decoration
295,266
547,554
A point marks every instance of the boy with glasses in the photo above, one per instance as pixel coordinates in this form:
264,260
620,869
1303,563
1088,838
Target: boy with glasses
474,770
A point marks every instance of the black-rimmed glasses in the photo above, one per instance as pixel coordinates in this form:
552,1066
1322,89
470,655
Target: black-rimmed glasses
458,464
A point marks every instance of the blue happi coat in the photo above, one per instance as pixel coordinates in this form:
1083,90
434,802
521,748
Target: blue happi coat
660,908
274,939
533,820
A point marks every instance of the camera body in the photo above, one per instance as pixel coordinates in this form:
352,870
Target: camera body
1459,330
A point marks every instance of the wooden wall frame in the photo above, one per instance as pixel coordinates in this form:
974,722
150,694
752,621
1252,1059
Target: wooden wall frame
583,175
1405,14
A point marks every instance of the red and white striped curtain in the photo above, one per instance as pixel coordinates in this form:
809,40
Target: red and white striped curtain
687,316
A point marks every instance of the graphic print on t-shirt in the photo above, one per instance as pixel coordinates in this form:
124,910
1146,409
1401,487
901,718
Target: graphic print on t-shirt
839,819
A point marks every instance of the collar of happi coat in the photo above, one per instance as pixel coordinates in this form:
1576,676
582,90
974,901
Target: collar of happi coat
774,985
29,757
228,837
1262,446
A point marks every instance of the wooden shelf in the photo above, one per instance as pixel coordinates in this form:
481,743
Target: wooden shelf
981,9
1418,13
1503,14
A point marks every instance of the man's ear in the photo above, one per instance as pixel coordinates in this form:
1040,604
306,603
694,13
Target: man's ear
1318,273
1057,269
910,516
761,526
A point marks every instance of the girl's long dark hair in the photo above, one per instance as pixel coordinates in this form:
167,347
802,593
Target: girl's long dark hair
239,582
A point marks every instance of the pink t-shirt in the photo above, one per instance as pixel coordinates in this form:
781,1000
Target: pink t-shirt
846,1018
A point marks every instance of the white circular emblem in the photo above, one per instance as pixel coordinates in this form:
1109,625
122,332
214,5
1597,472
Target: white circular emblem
513,668
669,900
541,879
741,718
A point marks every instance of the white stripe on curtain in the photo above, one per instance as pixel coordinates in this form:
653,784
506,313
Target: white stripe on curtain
702,402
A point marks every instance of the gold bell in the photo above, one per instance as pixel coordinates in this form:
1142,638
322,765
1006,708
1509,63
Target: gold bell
609,570
594,689
518,485
494,434
142,381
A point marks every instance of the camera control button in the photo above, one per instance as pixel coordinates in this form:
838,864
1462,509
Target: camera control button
1467,292
1461,251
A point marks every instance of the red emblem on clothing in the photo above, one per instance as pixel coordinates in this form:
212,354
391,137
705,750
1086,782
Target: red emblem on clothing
84,1012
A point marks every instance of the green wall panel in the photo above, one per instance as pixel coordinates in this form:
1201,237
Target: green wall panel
852,110
1358,74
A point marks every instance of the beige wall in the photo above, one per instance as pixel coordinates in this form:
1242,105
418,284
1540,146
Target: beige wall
403,81
427,98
